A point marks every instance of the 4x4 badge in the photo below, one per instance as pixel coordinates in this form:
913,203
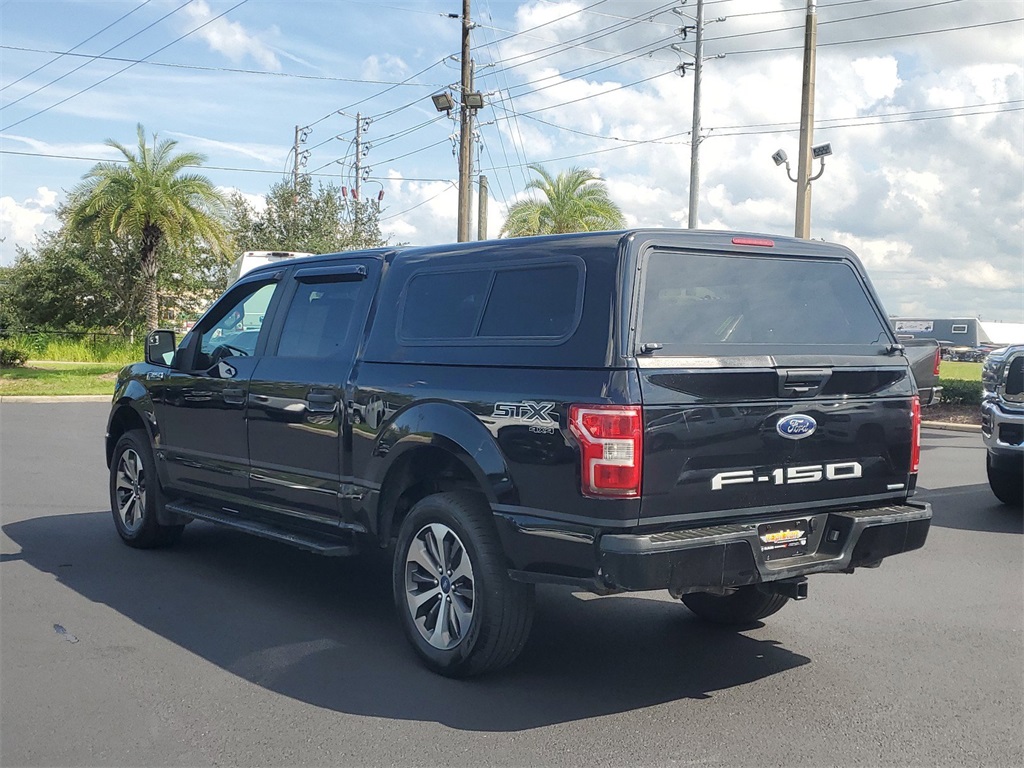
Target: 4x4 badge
527,410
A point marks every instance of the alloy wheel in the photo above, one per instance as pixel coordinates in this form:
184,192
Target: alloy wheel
130,490
439,586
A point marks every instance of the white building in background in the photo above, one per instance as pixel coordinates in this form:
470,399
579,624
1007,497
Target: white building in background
968,332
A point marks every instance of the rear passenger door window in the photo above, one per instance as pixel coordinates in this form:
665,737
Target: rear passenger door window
320,318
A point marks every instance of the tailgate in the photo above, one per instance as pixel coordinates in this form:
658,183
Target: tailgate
770,379
725,441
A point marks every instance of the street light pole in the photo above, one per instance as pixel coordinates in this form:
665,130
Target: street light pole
803,183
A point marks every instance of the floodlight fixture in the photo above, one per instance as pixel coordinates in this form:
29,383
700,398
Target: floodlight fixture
443,101
821,150
473,100
780,157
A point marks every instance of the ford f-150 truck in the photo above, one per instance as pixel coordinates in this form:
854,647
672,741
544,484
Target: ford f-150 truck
719,415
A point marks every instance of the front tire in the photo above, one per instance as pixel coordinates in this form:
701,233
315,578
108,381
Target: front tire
135,494
1008,486
459,609
742,607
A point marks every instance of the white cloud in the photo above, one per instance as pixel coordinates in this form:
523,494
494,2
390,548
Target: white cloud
257,202
230,37
22,222
271,155
384,67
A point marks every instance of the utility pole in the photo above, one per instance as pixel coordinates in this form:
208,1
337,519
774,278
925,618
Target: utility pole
698,70
295,170
698,65
465,130
357,201
359,153
481,210
803,183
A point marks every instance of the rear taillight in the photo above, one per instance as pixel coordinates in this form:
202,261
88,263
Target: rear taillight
915,434
938,360
611,446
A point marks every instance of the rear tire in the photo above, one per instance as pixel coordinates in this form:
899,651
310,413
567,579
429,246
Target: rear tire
744,606
135,494
1008,486
459,609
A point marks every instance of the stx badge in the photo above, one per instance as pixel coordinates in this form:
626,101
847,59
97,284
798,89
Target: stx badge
527,411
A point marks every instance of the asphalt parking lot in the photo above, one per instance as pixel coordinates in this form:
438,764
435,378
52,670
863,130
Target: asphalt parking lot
228,650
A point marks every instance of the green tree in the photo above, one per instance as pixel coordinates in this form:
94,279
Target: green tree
575,201
317,220
68,281
149,204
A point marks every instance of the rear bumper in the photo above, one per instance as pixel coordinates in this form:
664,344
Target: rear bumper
722,556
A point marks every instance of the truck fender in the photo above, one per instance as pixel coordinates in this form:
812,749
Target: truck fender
452,429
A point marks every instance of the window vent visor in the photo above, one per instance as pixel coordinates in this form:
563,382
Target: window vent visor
611,448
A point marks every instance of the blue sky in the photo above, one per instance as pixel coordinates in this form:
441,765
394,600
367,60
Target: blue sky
921,99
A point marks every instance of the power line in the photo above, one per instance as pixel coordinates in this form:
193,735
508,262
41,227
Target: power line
877,39
521,157
980,108
93,58
380,93
115,74
661,139
573,42
199,68
835,21
451,185
95,34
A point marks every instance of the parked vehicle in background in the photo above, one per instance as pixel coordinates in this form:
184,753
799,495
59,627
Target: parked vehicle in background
925,356
249,260
1002,422
718,415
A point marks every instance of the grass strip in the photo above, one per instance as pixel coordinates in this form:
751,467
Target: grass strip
59,379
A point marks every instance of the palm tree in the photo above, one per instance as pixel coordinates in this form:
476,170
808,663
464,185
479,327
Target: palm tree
147,202
577,201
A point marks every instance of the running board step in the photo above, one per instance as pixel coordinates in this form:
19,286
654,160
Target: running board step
305,541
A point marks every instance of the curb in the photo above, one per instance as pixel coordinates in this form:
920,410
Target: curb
951,427
55,398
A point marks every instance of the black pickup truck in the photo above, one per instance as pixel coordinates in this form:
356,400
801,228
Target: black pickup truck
714,414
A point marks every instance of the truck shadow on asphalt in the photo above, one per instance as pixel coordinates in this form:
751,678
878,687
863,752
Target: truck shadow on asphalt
971,508
324,631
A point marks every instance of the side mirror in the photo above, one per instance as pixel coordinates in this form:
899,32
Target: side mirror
160,346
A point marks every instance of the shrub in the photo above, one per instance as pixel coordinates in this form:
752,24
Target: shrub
960,392
12,356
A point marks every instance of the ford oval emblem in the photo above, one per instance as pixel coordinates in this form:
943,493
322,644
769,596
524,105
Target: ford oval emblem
796,427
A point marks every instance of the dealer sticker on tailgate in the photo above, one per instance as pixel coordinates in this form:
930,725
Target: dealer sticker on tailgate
787,539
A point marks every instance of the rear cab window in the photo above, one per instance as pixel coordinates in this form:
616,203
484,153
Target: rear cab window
703,304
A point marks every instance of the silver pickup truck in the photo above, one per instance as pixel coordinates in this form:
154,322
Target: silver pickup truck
1002,422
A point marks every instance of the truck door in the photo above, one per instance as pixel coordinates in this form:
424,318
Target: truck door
200,404
297,428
